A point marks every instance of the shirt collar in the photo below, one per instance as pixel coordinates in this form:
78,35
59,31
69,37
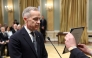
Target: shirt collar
28,31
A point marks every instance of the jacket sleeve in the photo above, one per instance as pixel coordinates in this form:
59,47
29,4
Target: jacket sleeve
76,53
14,47
44,51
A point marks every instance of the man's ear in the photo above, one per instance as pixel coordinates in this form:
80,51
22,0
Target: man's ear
25,18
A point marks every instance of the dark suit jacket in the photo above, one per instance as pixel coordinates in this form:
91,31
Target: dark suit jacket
2,37
13,31
76,53
21,46
44,23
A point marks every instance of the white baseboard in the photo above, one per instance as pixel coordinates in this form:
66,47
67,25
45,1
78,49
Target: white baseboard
89,32
52,39
52,35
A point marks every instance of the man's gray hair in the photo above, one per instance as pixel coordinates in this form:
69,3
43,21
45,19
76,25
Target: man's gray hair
26,11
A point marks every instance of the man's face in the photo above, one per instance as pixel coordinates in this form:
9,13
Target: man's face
33,22
19,27
15,26
2,29
42,17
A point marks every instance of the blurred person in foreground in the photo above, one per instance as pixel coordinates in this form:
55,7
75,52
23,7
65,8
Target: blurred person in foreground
28,42
71,45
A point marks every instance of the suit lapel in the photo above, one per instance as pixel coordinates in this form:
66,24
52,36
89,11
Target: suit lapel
28,39
38,43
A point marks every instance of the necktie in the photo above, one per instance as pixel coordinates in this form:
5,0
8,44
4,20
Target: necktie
34,42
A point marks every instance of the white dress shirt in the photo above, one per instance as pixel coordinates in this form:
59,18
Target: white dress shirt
9,34
29,32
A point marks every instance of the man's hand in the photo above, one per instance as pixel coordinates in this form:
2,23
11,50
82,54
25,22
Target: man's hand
2,42
70,41
7,41
42,27
84,49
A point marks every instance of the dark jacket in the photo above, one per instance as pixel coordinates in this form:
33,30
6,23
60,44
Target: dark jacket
76,53
43,22
21,46
3,37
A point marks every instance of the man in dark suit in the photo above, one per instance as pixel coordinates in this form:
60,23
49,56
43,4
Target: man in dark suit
28,42
3,41
72,47
43,27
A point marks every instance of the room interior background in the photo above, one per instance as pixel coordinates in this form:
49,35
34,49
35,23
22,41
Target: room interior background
61,15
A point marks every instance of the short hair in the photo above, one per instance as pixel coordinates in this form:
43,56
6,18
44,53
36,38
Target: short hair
26,11
2,27
18,25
